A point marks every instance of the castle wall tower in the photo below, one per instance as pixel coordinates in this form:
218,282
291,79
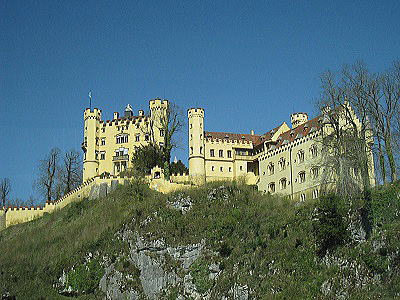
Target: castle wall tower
158,108
90,145
298,118
197,169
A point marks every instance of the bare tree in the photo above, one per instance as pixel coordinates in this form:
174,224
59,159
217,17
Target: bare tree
5,189
48,169
166,123
384,105
71,171
345,146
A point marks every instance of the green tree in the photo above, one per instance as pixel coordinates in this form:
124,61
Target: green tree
147,157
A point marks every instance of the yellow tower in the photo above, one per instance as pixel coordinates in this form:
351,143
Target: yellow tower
197,169
90,145
158,110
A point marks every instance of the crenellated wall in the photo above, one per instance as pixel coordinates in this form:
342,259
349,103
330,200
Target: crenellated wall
15,215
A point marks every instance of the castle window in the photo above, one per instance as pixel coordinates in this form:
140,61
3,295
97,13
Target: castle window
96,154
122,138
97,141
146,137
303,197
271,169
102,155
191,137
282,164
161,132
137,137
271,187
300,156
302,177
191,150
314,172
221,169
191,126
201,150
229,153
212,153
212,168
241,168
221,153
315,194
230,169
283,183
103,141
313,151
103,129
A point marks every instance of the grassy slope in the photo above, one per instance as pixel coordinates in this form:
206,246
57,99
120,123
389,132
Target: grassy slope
265,242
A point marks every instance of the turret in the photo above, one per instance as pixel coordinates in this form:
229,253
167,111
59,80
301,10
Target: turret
298,119
158,109
197,170
90,145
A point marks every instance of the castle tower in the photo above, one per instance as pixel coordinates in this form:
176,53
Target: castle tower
197,169
90,145
158,109
298,119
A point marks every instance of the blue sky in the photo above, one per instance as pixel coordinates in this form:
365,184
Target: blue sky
248,63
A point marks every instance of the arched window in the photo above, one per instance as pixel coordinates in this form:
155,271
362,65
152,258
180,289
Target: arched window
313,151
282,164
283,183
314,172
300,156
271,187
271,169
221,153
302,177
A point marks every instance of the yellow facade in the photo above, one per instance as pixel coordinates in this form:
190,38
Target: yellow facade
108,145
285,160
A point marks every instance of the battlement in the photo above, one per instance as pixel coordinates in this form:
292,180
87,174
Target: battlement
158,103
14,208
196,112
94,113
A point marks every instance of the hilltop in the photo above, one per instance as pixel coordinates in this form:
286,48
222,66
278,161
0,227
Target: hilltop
221,239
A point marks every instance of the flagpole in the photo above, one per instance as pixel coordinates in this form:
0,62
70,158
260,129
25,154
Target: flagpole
90,99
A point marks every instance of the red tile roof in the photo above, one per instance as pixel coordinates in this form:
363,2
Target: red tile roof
255,139
300,131
289,136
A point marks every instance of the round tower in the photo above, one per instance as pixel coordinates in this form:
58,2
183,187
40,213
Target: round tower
298,119
90,145
197,171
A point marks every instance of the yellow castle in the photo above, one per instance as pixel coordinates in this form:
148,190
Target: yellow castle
285,160
108,145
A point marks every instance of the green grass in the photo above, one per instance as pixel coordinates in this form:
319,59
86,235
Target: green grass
268,243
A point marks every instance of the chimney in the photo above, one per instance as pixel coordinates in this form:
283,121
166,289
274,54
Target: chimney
116,115
252,132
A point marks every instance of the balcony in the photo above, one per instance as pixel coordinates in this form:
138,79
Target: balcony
121,157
